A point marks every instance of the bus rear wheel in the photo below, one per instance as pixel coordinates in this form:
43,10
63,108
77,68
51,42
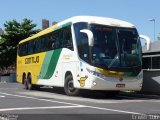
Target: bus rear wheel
69,87
27,83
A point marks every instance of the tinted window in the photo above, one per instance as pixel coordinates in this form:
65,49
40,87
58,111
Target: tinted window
30,46
67,40
22,50
58,39
37,45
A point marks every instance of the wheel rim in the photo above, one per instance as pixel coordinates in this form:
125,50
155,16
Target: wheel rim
70,86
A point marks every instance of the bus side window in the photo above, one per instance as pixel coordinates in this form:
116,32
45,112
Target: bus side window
60,38
25,48
53,41
37,45
50,41
43,45
67,41
30,47
56,36
22,49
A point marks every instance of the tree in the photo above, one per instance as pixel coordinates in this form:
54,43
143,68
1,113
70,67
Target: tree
14,33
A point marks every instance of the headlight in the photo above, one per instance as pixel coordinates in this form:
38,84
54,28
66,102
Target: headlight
96,74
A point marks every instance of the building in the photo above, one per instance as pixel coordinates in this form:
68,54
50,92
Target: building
151,68
45,24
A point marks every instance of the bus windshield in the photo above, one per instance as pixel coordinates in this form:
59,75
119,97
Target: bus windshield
114,47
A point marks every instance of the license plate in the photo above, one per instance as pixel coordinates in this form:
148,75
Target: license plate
120,85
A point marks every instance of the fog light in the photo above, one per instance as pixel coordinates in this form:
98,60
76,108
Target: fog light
94,83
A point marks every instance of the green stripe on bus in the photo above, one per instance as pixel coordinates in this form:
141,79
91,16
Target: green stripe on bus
62,26
51,61
45,64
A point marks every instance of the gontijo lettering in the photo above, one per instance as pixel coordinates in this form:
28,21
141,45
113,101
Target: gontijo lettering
32,60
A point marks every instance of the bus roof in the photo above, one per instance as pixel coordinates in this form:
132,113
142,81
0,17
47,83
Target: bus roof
89,19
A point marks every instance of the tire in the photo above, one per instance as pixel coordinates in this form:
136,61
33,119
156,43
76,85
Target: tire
69,88
27,83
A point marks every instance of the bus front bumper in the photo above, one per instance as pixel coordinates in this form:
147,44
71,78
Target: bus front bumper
116,84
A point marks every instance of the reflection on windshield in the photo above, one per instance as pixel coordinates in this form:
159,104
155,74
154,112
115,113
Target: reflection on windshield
129,47
105,45
115,47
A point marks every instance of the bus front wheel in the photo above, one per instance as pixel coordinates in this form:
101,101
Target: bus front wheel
69,87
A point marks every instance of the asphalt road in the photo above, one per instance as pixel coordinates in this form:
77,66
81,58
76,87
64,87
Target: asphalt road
48,103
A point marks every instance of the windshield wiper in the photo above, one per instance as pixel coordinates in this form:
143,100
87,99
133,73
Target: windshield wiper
113,61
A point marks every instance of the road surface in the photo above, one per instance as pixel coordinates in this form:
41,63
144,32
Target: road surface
47,103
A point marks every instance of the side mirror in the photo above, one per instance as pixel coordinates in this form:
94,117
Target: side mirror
90,36
147,40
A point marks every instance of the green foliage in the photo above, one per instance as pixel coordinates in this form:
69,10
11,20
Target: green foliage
14,33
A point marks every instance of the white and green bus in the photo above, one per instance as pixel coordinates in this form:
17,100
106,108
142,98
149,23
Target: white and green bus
83,52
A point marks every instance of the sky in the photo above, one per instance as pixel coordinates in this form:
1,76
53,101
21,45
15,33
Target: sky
135,11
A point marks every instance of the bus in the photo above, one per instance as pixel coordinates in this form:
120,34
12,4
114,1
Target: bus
82,52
